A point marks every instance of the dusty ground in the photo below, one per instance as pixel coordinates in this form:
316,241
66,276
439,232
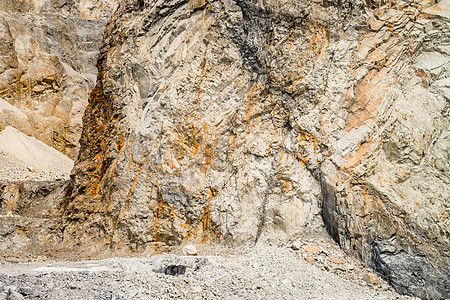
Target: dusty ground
307,268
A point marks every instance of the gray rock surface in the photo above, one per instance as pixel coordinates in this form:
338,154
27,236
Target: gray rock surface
236,121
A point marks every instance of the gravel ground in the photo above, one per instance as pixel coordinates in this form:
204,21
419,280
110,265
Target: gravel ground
262,272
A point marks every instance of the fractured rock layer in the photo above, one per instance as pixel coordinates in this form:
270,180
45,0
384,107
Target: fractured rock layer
47,67
235,121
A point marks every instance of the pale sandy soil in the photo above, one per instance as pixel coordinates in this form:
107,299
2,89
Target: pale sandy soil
25,158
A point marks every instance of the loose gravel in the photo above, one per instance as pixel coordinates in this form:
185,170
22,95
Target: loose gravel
261,272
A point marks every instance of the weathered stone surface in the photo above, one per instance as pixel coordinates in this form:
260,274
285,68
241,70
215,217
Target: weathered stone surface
30,219
47,67
86,9
386,183
31,198
235,121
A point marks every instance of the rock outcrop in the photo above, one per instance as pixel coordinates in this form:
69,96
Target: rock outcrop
48,51
246,121
30,219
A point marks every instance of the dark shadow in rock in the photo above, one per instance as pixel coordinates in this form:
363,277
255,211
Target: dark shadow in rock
173,270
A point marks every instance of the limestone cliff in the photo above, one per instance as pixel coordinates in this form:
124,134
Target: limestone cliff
244,121
48,51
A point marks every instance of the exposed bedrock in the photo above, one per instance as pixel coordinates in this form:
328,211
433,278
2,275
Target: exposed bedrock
30,219
48,51
246,121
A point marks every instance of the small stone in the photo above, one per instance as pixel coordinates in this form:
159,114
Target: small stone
296,245
373,278
38,89
13,295
375,25
335,260
350,267
370,278
310,259
189,250
312,249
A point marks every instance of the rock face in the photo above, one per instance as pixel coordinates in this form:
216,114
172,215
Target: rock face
246,121
86,9
30,219
47,67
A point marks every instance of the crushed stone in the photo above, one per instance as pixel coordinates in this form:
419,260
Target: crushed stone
260,272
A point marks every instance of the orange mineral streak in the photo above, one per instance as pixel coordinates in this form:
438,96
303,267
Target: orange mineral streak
354,157
368,96
127,201
208,155
10,205
207,230
195,144
97,175
290,39
159,212
286,184
202,78
437,8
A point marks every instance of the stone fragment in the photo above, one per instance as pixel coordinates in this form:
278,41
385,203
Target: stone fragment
375,25
310,259
370,278
296,245
189,250
335,260
38,88
312,249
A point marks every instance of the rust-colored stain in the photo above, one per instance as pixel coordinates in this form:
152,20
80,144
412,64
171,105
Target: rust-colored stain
207,230
354,157
290,39
368,96
423,76
127,201
286,184
202,78
437,8
159,212
10,205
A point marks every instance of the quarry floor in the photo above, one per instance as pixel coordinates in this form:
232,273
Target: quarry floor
305,268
